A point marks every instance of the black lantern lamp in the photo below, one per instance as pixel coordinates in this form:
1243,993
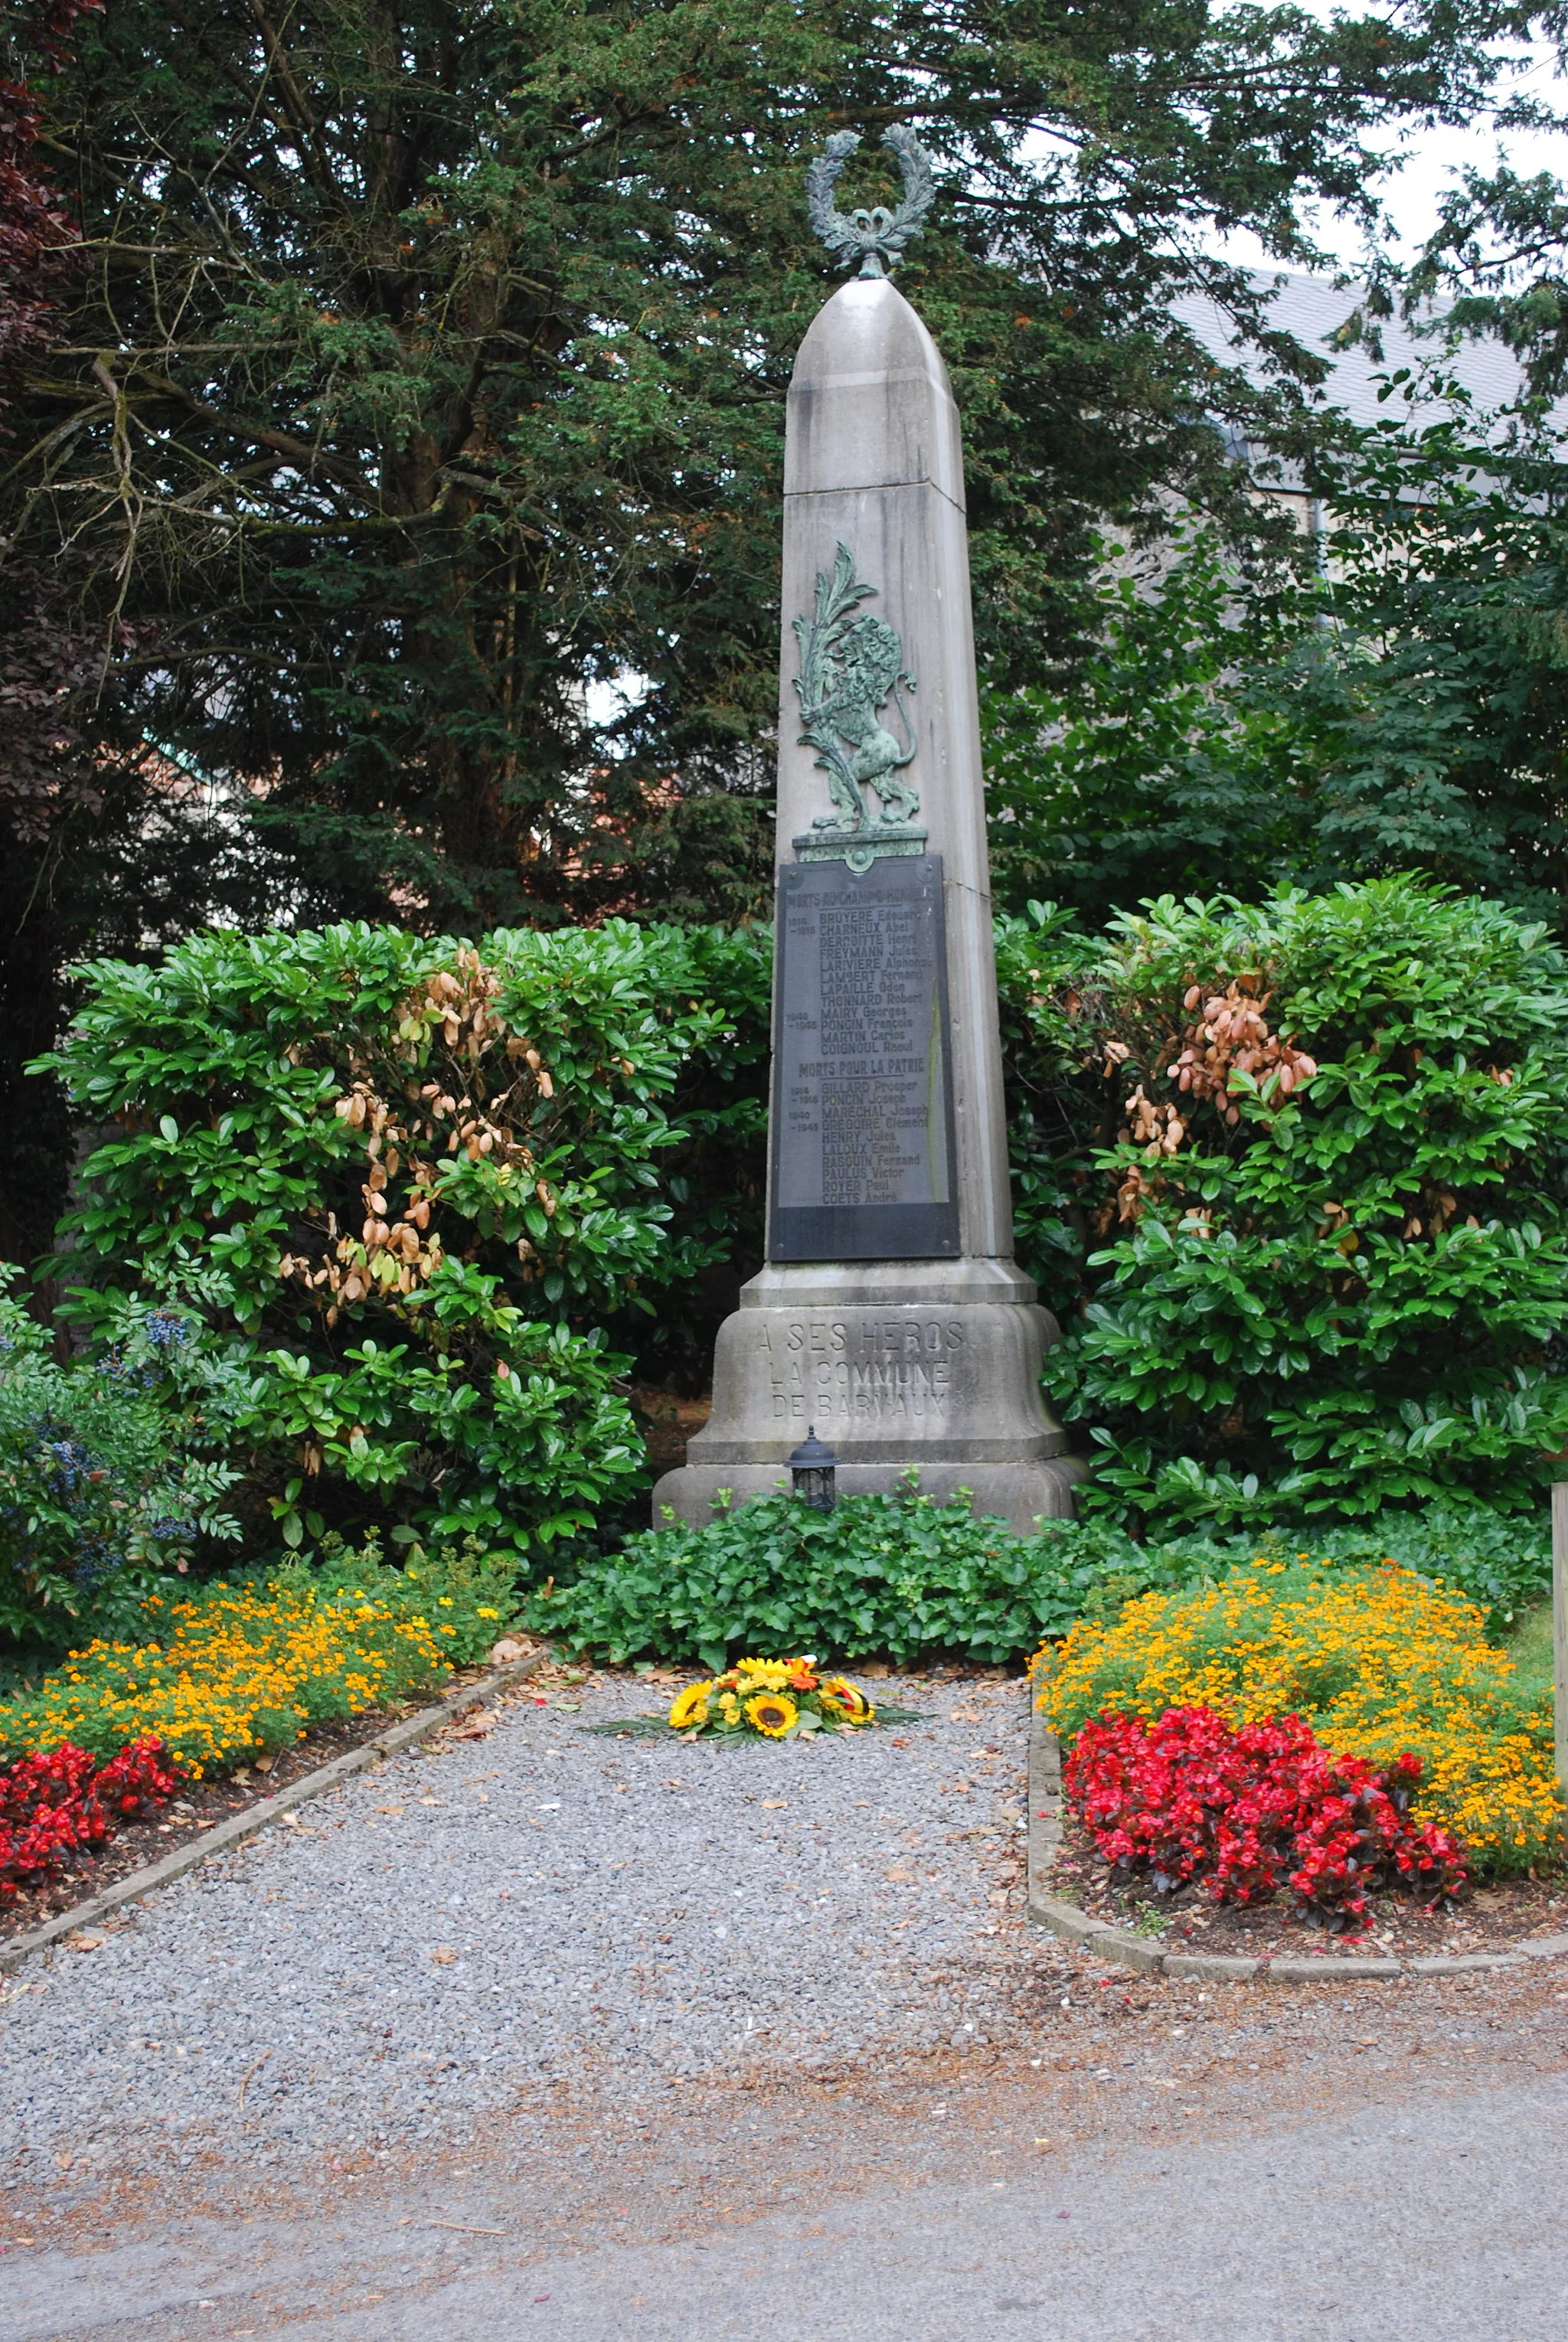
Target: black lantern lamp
812,1467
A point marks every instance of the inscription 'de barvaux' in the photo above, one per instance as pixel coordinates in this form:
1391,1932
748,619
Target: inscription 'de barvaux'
835,1372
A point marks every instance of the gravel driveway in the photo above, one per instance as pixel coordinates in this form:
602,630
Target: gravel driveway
536,1907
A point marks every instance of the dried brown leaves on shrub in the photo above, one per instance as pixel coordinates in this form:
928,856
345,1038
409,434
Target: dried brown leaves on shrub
1227,1033
470,1090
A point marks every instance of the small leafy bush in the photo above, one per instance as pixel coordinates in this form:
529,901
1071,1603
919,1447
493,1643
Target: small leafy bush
904,1575
467,1595
1377,1662
108,1477
1329,1172
1188,1800
58,1806
408,1180
896,1575
1499,1561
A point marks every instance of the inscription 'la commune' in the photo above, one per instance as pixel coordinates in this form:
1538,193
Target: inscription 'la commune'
874,1367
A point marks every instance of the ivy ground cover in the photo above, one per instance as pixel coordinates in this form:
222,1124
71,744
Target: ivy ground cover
902,1574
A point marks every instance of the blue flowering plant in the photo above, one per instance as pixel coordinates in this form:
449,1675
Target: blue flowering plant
111,1469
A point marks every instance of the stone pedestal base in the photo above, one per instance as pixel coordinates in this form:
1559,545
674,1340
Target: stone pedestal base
1023,1495
932,1366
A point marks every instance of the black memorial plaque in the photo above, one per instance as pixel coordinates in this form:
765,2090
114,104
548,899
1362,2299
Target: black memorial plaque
862,1151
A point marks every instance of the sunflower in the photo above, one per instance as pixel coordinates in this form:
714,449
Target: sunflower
690,1707
764,1675
772,1714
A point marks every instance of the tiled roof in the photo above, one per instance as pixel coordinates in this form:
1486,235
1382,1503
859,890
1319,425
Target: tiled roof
1313,308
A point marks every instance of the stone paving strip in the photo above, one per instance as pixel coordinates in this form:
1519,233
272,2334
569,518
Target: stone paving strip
477,1920
1104,1942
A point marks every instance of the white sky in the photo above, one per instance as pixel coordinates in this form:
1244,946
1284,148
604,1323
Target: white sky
1433,159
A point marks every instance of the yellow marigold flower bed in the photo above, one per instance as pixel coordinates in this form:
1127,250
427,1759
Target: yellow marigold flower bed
234,1671
1377,1661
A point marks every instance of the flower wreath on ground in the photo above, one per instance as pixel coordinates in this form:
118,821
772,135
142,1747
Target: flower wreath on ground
779,1698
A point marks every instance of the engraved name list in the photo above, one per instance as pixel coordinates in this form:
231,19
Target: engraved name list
862,1119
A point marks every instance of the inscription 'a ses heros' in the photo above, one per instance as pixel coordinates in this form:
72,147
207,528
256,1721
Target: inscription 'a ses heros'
862,1112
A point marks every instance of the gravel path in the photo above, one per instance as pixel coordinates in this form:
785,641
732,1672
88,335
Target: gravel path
492,1915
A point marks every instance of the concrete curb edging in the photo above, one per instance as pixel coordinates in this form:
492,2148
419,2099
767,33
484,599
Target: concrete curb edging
266,1810
1151,1958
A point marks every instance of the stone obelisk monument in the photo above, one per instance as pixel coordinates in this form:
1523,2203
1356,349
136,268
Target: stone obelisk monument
890,1315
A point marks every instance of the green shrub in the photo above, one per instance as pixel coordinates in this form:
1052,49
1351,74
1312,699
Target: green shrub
1054,1111
108,1477
899,1575
446,1186
714,1175
409,1178
1336,1279
905,1576
1502,1562
467,1594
